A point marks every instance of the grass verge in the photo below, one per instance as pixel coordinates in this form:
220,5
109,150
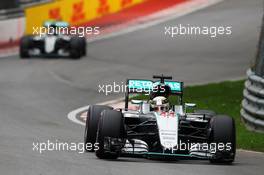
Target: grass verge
225,98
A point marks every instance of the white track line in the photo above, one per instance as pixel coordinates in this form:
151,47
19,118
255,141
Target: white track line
73,115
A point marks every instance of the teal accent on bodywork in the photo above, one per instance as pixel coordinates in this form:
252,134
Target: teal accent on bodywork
56,23
169,155
174,85
144,85
147,85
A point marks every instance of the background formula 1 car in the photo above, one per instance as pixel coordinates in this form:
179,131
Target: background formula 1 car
158,128
53,44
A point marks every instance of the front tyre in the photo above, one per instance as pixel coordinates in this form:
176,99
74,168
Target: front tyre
75,48
83,45
92,119
24,47
110,135
223,131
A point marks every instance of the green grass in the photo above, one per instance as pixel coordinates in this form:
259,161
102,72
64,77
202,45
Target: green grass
224,98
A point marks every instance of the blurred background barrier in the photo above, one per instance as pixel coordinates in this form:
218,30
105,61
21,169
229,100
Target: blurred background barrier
15,8
76,12
252,111
12,29
11,13
12,21
18,17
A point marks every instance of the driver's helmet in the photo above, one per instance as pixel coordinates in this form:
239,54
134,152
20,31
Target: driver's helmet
160,90
53,28
160,104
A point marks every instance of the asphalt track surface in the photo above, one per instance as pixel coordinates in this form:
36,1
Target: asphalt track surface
37,94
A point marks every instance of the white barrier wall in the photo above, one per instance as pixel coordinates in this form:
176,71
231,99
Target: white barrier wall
11,29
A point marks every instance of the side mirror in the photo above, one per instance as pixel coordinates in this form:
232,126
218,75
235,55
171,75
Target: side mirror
179,109
143,106
136,102
190,105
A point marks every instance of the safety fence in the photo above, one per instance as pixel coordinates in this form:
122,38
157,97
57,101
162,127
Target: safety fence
252,111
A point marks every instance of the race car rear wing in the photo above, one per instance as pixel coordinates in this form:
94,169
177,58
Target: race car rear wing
141,86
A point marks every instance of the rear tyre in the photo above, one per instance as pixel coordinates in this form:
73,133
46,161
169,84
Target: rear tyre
24,47
223,132
110,134
93,116
75,48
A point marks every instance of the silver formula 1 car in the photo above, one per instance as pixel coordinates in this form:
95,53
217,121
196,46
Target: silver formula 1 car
154,127
53,43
